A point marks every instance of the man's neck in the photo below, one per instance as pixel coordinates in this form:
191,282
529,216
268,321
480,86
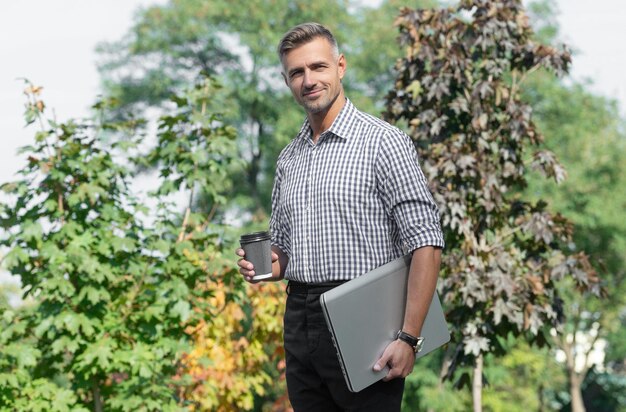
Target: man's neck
321,121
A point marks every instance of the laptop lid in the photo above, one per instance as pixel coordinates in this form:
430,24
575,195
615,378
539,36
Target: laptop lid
364,315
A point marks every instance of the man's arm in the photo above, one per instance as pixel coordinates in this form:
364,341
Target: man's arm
422,282
421,287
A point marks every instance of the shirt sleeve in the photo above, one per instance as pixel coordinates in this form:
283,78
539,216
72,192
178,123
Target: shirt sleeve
279,228
405,194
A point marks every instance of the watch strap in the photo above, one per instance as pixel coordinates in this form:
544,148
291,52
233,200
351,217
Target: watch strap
413,341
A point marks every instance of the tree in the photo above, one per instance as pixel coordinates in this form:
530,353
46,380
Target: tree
171,45
585,134
118,292
458,88
185,39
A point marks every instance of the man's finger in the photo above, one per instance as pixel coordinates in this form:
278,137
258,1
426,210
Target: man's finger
381,363
393,373
244,264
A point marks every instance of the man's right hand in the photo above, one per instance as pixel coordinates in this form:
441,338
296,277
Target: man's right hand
247,268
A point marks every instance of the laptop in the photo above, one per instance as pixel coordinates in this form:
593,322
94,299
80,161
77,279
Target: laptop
365,314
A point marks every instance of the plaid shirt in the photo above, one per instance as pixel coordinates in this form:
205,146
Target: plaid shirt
352,202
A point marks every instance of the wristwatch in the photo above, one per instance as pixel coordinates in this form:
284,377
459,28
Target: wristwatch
415,343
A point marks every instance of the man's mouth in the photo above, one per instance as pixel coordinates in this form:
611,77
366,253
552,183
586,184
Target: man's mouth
312,93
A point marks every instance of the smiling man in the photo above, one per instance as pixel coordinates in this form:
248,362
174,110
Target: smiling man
348,196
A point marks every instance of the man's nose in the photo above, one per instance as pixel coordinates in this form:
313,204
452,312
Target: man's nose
309,79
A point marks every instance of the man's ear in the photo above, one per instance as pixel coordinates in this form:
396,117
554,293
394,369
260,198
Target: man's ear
341,65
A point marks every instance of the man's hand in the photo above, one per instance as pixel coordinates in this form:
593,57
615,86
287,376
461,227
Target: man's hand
400,357
246,268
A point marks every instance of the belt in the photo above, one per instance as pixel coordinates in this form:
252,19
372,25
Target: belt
300,288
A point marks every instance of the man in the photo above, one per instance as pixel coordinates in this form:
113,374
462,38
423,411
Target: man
348,197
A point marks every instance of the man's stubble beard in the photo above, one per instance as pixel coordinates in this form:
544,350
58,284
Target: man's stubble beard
319,107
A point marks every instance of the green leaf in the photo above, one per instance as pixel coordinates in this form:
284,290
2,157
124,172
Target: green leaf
182,309
58,287
15,258
44,327
25,355
94,295
99,353
8,380
65,344
415,88
69,321
8,315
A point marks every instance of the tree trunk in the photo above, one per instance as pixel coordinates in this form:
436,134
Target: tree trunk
254,167
575,390
445,367
575,377
97,397
477,385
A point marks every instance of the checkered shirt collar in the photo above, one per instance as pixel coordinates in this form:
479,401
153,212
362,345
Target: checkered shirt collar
340,126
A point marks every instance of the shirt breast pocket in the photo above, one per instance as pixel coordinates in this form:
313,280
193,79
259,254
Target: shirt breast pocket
350,185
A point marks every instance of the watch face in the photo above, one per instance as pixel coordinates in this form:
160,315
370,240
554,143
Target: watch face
420,344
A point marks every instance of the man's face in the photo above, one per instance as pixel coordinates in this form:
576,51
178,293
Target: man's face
314,73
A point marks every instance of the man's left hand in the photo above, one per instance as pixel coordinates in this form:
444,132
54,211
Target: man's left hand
400,357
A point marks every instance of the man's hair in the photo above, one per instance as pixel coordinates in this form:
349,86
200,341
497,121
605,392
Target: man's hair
302,34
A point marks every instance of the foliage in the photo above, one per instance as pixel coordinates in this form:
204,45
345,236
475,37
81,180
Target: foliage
172,44
524,379
586,134
237,357
458,87
6,291
195,150
232,349
118,293
370,55
424,389
605,391
185,39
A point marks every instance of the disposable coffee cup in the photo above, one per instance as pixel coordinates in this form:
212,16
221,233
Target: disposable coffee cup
258,251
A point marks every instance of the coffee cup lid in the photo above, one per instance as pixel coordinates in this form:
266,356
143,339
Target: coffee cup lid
255,237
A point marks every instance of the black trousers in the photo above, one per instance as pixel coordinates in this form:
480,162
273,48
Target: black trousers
314,379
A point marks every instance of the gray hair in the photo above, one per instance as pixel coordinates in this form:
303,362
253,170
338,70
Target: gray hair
302,34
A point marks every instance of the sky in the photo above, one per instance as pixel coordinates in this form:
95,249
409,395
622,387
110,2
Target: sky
52,43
